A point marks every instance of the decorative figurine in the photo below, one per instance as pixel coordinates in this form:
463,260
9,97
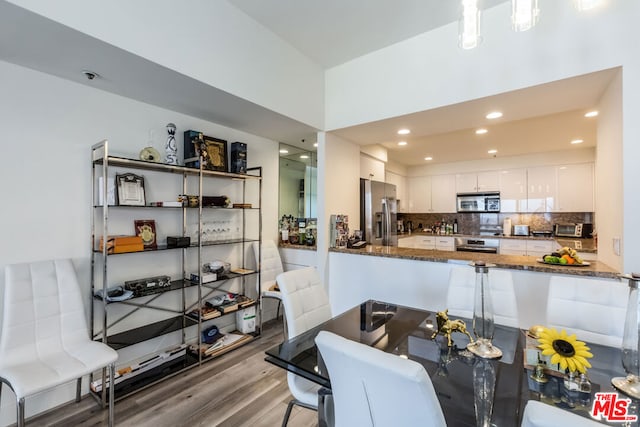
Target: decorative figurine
446,327
171,149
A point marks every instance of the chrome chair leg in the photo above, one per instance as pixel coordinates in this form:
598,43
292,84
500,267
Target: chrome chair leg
20,414
112,386
292,402
78,389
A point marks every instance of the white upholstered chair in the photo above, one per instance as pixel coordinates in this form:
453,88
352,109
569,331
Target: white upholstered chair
45,341
538,414
270,265
592,309
374,388
306,305
460,295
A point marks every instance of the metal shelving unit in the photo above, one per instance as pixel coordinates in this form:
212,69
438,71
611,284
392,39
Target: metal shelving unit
102,320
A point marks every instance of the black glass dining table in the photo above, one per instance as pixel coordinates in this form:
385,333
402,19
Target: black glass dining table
471,390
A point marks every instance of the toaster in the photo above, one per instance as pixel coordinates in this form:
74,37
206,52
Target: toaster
520,230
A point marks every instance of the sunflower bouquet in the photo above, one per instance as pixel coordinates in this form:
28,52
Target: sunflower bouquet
564,350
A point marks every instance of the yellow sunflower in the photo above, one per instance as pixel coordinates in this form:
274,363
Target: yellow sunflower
565,349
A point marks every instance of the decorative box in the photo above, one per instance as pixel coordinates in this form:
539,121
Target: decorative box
123,244
191,150
246,320
206,277
238,157
178,241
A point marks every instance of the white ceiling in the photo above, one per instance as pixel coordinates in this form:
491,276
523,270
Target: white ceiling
330,32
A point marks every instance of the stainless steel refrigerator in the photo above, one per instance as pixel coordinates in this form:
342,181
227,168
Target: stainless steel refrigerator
378,212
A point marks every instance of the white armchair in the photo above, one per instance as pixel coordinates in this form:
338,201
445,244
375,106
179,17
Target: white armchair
374,388
45,341
538,414
306,305
270,265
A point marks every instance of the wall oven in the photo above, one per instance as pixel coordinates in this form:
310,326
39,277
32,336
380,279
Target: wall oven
478,202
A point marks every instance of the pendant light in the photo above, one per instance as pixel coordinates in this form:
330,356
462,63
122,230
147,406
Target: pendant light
586,4
524,14
469,25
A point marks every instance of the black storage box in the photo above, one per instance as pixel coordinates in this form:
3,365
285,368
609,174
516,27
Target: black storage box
178,242
191,153
148,285
239,157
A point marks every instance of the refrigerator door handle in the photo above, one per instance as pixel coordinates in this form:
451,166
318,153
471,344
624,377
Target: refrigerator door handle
387,222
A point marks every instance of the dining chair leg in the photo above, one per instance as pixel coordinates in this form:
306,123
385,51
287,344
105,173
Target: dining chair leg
112,374
78,389
292,402
20,414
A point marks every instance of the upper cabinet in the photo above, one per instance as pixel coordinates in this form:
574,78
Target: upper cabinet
443,193
513,190
575,188
419,194
477,182
371,168
541,193
401,190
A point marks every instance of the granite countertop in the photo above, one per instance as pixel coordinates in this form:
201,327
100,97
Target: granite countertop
514,262
292,246
581,245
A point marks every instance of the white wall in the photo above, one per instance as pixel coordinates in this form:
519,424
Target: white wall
609,195
49,126
430,71
210,41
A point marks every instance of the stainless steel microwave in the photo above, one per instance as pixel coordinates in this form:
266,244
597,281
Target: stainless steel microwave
573,230
478,202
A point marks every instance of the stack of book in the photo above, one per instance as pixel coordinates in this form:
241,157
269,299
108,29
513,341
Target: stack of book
204,313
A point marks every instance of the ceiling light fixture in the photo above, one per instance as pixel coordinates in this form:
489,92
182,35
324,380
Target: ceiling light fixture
469,25
428,158
481,131
494,115
402,143
577,141
404,132
283,151
590,114
304,156
586,4
492,151
524,14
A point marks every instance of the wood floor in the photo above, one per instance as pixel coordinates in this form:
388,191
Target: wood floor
237,389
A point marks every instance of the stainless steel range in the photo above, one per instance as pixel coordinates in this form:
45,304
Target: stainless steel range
472,244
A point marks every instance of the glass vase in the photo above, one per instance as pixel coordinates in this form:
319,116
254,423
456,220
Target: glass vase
630,385
483,324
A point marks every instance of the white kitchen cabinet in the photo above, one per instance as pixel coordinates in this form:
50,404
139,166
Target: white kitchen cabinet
575,188
477,182
541,185
407,242
401,190
513,247
444,243
424,242
443,193
540,248
513,190
371,168
419,194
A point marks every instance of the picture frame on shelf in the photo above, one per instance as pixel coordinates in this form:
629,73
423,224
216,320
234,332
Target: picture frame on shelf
214,154
130,190
146,230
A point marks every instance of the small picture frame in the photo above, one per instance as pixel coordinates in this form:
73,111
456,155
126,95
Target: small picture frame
146,230
214,154
130,190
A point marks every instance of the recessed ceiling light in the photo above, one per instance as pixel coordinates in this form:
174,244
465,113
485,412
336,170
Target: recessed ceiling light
283,151
577,141
428,158
304,156
481,131
494,115
404,132
402,143
315,144
593,113
492,151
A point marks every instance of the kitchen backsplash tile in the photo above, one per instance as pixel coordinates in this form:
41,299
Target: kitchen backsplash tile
487,223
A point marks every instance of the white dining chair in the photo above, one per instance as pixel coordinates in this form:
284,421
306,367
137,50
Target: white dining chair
374,388
306,305
270,265
592,309
460,294
538,414
45,340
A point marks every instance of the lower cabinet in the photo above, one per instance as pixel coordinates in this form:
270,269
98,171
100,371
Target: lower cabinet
445,243
425,242
513,247
540,248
